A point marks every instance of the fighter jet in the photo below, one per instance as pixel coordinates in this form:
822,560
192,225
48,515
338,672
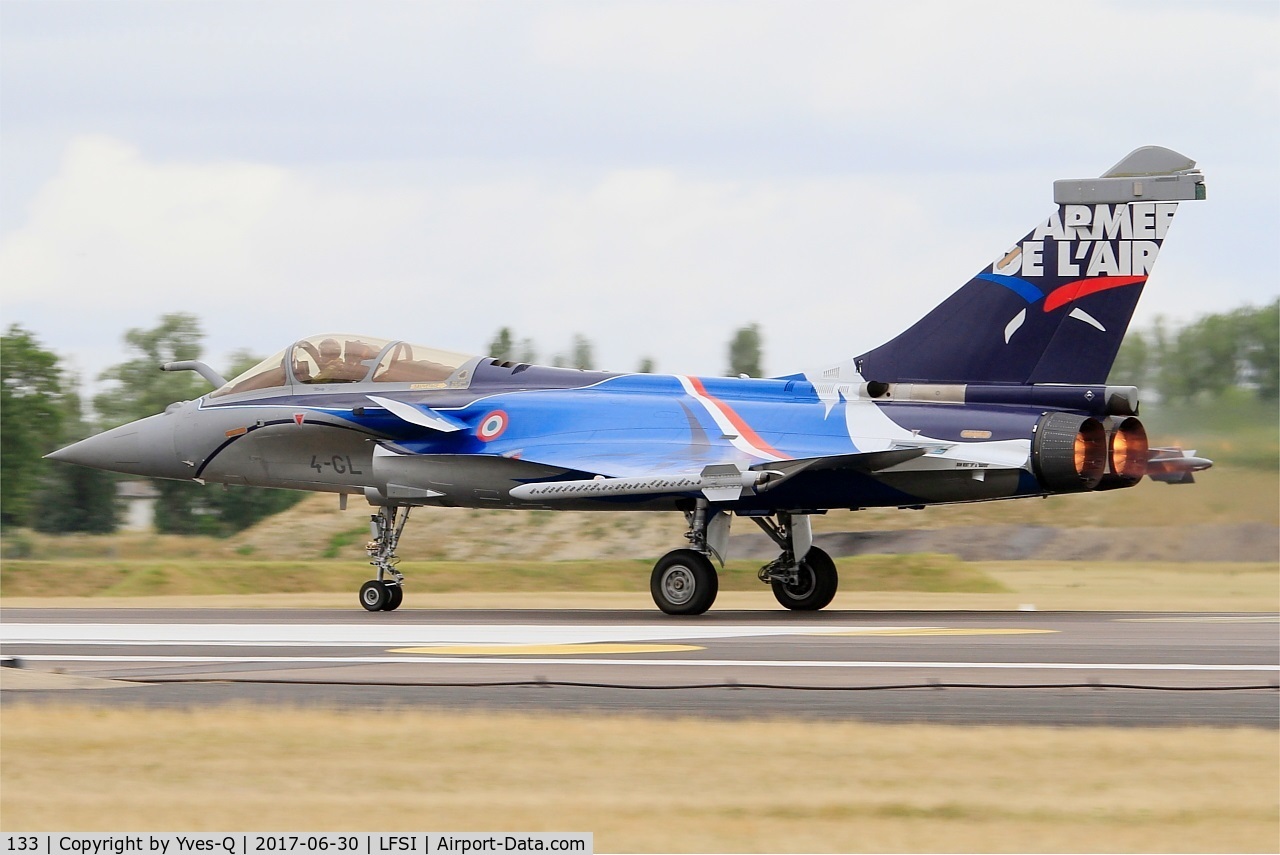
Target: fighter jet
998,393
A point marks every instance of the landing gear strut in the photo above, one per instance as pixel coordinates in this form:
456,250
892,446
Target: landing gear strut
805,583
385,593
803,577
684,581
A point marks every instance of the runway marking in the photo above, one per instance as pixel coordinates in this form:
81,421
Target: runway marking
1205,619
393,635
544,649
633,663
937,630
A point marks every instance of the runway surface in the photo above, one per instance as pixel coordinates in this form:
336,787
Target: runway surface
1064,668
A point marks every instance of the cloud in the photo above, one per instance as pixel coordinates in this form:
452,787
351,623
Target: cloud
984,76
113,230
645,261
651,174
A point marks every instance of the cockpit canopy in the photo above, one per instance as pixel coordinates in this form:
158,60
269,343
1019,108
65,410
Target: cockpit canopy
345,358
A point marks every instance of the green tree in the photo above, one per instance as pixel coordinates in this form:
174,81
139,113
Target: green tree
75,498
527,351
139,387
583,352
1209,352
241,360
1206,357
744,352
180,508
1168,372
1133,363
503,345
33,407
1261,328
233,509
141,390
647,366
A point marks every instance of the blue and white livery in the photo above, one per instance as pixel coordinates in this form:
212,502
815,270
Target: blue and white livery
998,393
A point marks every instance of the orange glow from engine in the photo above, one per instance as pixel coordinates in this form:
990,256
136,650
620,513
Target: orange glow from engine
1091,452
1129,450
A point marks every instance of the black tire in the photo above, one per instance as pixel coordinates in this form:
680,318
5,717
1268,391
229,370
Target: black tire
684,582
816,586
374,596
395,596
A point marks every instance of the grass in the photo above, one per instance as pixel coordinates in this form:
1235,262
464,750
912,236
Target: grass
20,578
344,538
1138,586
1236,429
866,582
926,573
641,784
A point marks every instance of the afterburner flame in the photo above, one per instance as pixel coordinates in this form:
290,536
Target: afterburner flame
1091,452
1129,450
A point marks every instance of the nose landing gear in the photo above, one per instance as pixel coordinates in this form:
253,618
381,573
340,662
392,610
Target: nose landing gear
385,593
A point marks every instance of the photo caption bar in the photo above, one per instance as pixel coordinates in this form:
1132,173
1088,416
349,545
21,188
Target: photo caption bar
261,843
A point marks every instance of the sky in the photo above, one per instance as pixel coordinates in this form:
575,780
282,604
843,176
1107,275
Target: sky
651,175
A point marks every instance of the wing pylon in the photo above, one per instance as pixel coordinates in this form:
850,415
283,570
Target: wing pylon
718,482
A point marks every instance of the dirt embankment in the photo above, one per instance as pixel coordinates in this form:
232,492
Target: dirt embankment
1228,515
1216,542
316,528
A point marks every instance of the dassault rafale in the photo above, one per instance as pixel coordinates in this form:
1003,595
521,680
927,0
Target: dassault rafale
1000,392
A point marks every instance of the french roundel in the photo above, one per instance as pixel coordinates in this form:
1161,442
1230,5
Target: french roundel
492,426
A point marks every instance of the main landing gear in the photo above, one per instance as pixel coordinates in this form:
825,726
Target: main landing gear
803,577
386,593
806,583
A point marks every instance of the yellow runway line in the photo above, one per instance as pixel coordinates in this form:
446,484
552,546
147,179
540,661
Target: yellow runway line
544,649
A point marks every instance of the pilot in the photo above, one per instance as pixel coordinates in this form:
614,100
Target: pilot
333,368
329,365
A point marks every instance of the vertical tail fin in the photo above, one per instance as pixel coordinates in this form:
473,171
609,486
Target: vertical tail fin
1055,306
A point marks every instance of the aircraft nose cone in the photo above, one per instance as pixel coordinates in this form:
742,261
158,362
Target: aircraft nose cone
117,450
144,447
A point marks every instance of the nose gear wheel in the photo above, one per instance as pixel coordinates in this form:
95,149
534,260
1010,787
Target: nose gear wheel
385,593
